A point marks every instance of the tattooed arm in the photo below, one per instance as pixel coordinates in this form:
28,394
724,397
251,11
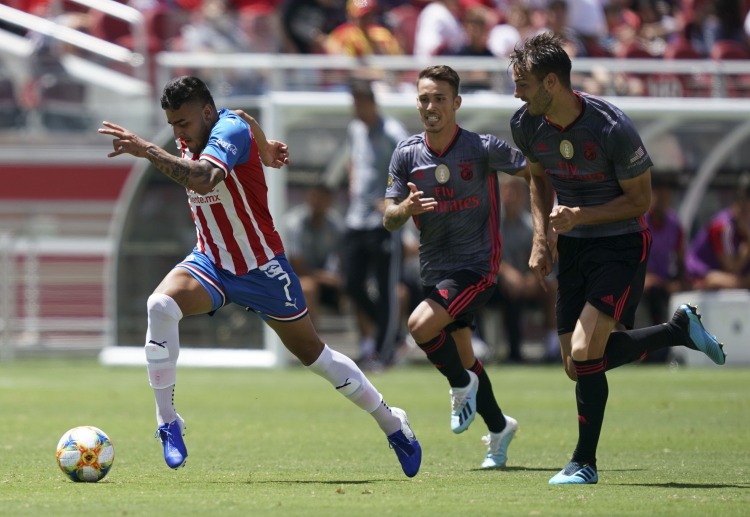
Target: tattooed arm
200,176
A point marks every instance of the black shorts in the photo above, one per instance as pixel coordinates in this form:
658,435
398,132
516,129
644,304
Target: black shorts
461,294
607,272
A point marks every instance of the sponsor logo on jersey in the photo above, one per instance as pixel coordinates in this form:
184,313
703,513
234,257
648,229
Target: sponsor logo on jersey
228,147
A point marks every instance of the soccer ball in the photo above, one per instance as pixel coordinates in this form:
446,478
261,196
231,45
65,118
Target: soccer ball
85,453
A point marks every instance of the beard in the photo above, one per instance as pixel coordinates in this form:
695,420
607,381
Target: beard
539,105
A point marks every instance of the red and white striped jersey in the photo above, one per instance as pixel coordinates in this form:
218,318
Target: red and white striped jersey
233,222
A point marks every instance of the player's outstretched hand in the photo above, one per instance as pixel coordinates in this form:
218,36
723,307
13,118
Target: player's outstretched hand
124,141
275,154
416,204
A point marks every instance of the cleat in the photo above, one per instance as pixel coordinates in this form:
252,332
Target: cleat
687,318
405,444
576,474
175,452
464,404
497,445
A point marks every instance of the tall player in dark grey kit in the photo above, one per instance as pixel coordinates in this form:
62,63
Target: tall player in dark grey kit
588,151
445,178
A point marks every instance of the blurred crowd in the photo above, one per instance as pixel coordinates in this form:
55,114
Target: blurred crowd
595,28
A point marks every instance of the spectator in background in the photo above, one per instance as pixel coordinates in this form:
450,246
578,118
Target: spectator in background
214,27
477,20
362,34
504,36
517,285
718,257
313,239
557,22
370,251
665,273
439,29
307,23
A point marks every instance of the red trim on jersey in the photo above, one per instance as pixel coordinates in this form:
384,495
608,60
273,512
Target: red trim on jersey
447,147
580,114
494,225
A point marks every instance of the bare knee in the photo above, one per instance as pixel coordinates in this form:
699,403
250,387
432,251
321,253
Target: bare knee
570,369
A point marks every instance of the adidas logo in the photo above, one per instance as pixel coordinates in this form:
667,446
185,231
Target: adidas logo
609,300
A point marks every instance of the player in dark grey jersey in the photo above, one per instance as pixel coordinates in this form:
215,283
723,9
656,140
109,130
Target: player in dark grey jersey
589,153
446,180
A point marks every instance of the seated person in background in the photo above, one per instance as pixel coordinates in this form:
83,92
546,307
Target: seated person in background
665,274
719,255
362,34
517,286
312,241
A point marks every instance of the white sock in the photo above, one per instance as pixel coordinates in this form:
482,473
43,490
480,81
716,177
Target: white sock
165,411
349,380
162,350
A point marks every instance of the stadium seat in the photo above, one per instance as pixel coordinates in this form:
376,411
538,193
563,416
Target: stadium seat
11,115
725,50
694,85
62,104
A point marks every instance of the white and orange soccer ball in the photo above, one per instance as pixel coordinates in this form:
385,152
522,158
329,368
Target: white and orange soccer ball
85,453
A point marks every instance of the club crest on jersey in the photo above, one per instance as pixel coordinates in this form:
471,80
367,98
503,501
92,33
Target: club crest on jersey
589,151
442,173
566,149
467,171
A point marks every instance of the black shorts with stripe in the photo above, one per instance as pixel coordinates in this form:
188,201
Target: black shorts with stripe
462,293
607,272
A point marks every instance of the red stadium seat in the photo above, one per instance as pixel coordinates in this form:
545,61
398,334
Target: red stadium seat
694,85
725,50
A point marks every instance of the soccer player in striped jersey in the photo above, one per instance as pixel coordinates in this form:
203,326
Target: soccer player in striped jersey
588,152
446,180
239,258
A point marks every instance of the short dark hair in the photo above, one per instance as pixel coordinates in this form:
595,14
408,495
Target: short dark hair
541,55
184,89
442,73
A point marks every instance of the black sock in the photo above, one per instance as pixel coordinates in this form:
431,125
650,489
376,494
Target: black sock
591,398
624,347
442,352
487,405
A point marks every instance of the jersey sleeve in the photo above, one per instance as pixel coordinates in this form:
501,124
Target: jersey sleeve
398,174
503,157
520,138
629,156
229,142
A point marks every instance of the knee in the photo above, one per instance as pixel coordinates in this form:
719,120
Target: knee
418,329
570,369
163,307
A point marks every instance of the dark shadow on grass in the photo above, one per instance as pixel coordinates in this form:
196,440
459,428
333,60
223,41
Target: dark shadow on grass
519,469
306,482
542,469
684,485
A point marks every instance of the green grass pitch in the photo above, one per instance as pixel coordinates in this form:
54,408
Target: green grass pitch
283,443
